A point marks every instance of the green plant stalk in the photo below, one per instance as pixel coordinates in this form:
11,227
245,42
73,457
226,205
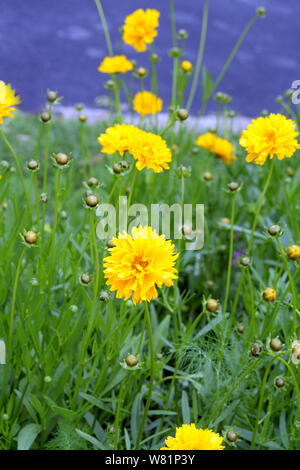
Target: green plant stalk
135,171
252,319
53,232
199,55
118,412
119,116
39,140
147,406
173,23
19,170
94,242
292,285
229,258
171,124
228,62
105,27
82,147
10,329
45,171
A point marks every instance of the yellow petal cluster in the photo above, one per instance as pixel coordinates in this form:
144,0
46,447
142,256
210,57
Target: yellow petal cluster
146,103
188,437
140,28
269,136
293,252
221,147
116,64
8,99
149,150
139,263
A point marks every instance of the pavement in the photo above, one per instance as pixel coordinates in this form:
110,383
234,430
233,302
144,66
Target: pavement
59,44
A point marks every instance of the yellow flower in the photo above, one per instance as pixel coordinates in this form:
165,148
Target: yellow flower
206,141
139,263
188,437
293,252
221,147
8,99
139,28
224,150
269,136
116,64
146,102
149,150
117,138
270,294
186,65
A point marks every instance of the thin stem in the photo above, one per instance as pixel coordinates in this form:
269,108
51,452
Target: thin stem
173,23
291,284
147,406
259,206
94,241
229,258
199,56
105,27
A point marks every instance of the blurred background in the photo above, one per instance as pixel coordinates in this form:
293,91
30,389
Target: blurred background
59,44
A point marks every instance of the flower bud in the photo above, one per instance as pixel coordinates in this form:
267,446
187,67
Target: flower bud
186,66
44,198
45,116
142,72
31,237
154,58
187,229
231,436
207,176
110,244
274,230
32,165
231,113
233,186
131,360
182,114
290,172
275,344
210,284
261,11
183,34
255,349
212,305
225,221
51,96
47,379
223,98
92,200
85,278
174,52
245,260
269,294
296,352
183,171
4,206
240,329
104,296
124,164
92,182
117,169
61,158
73,308
109,84
64,215
293,252
279,382
79,107
82,117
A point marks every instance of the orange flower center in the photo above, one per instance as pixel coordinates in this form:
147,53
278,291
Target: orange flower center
271,136
139,264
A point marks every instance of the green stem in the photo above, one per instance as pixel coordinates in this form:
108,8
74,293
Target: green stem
105,27
199,56
94,241
173,23
229,258
292,285
147,406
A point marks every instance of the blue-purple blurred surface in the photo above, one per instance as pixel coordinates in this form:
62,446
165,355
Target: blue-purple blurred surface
58,44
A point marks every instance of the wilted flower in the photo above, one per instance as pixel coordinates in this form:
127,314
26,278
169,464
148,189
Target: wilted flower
188,437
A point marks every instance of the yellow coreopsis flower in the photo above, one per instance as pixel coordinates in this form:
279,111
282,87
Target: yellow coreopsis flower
188,437
206,141
139,263
186,66
8,99
269,136
140,28
146,103
221,147
224,150
149,150
116,64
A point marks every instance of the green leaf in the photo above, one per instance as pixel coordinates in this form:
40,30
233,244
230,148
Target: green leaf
186,417
27,436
